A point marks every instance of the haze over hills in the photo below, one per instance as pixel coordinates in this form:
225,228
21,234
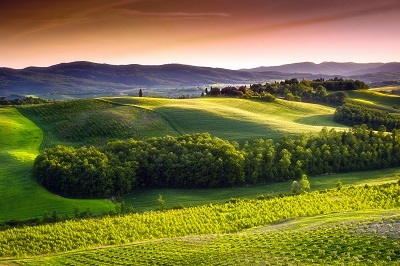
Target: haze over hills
332,68
93,78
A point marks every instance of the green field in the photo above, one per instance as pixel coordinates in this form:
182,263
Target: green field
22,197
146,200
353,226
87,121
376,99
348,238
91,122
238,119
360,222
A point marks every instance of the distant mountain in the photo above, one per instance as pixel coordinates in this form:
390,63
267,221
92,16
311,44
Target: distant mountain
325,68
87,77
388,67
91,78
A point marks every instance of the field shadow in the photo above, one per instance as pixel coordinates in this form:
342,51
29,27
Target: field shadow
318,120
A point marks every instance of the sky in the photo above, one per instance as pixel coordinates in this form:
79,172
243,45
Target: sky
231,34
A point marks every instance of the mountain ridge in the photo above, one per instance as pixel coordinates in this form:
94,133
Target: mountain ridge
83,77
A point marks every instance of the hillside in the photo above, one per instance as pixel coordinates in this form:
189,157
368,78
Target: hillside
22,197
332,68
350,238
90,78
325,68
86,79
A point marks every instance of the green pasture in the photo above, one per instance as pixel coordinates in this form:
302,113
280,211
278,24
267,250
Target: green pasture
146,200
22,197
375,99
238,119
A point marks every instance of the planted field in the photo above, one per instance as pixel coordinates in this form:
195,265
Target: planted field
22,197
376,99
227,218
146,200
356,238
238,119
90,121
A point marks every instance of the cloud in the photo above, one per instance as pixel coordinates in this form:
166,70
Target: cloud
189,15
301,22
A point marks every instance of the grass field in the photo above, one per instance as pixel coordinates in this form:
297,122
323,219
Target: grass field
238,119
22,197
375,99
146,200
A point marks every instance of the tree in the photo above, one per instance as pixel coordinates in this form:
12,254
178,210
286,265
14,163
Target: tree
304,184
140,93
295,187
215,91
161,202
339,185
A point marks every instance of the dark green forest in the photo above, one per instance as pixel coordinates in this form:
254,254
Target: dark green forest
352,114
313,91
199,160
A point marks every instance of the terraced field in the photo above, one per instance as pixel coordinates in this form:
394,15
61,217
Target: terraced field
22,197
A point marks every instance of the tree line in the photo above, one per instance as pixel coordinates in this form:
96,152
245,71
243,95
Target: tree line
26,100
199,161
314,91
352,114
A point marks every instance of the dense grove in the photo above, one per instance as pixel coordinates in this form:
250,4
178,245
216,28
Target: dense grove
208,219
339,84
193,161
294,90
352,114
26,100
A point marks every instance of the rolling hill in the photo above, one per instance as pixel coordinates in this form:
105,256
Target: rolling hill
86,79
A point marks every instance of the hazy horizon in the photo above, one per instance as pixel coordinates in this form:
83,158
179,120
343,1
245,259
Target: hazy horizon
210,33
175,63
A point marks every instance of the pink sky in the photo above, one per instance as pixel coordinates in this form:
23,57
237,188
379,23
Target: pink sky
217,33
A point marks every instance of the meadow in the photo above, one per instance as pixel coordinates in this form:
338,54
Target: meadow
22,197
376,99
238,119
146,200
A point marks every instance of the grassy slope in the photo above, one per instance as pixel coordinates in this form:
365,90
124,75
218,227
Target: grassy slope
348,238
90,121
375,99
238,119
145,200
22,197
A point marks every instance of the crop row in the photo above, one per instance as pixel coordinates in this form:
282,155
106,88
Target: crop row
210,219
327,245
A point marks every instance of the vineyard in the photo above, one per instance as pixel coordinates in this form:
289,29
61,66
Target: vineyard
354,240
232,217
90,121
